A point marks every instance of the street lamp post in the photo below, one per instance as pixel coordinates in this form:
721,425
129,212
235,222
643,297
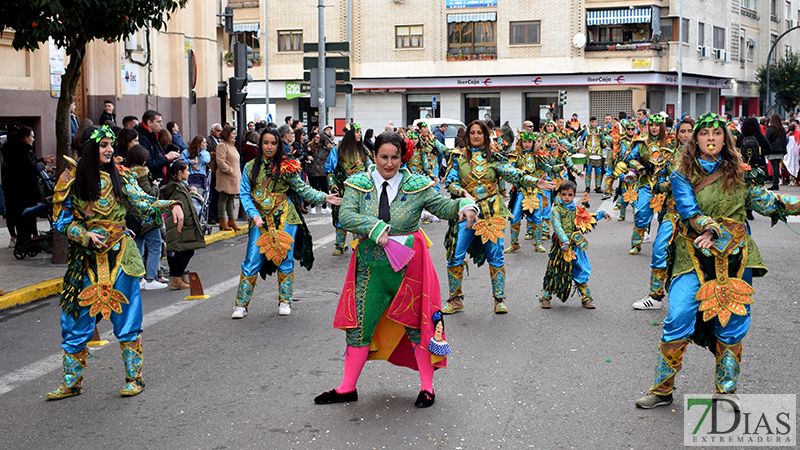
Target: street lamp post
769,57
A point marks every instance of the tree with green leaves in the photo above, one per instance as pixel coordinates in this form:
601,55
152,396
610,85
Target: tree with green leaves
72,24
784,80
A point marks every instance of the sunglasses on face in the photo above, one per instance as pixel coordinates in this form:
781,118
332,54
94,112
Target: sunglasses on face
630,129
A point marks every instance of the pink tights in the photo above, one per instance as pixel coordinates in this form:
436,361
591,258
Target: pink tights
355,358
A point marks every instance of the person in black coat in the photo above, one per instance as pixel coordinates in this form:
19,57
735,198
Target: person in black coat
148,130
776,135
20,183
108,114
751,127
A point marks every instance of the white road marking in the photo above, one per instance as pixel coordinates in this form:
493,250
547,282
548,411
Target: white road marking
52,363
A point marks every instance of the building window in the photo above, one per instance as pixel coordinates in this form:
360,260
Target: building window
482,106
522,33
408,36
749,4
247,37
685,31
290,40
772,39
787,14
666,30
420,106
773,10
719,38
701,34
472,36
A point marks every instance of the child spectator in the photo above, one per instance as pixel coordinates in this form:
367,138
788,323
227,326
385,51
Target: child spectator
181,244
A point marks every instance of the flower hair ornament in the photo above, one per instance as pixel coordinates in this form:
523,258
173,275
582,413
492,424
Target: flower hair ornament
655,118
709,120
422,124
526,136
99,134
409,150
413,135
348,127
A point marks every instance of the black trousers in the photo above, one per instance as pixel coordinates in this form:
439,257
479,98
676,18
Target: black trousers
776,170
178,262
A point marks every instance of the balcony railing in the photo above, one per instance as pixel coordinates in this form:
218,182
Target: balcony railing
622,46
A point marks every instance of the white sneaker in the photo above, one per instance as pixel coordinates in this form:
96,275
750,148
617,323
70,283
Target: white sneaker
646,237
239,312
12,243
326,210
141,283
284,309
312,210
647,303
154,285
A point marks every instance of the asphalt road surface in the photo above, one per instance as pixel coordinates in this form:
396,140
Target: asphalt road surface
564,378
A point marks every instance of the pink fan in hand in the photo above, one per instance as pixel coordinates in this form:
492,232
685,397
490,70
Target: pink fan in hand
399,255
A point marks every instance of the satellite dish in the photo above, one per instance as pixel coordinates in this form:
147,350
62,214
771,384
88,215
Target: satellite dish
579,41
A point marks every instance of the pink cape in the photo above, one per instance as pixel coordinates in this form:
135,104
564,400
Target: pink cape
417,299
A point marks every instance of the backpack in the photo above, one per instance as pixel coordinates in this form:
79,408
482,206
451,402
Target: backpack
750,149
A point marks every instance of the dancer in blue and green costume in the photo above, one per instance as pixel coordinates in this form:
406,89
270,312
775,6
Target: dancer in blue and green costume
594,139
388,308
567,261
715,258
525,203
667,219
419,164
647,173
623,160
104,263
434,151
475,172
349,158
271,192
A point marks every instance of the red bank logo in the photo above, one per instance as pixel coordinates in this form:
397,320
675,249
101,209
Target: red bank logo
620,79
537,81
487,82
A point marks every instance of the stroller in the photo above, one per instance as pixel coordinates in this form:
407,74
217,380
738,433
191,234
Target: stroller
44,241
202,184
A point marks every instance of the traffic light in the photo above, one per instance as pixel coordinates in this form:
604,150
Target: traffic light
562,98
237,91
228,19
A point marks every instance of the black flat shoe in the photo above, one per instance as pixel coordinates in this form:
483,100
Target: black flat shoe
328,397
425,399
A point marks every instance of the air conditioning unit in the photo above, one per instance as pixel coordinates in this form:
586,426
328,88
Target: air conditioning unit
752,43
792,23
705,52
721,55
132,42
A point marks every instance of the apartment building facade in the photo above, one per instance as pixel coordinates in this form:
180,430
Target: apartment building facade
509,59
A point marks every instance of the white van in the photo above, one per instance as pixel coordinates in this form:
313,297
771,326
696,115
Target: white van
453,125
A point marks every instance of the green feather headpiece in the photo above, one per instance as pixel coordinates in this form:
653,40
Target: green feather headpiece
710,120
655,118
527,136
413,135
100,133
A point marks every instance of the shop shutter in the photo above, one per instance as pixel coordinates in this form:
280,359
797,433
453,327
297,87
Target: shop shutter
610,102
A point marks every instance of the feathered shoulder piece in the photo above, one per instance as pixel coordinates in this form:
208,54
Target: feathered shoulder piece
65,181
584,220
290,166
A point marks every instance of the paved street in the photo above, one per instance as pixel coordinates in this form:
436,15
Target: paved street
562,378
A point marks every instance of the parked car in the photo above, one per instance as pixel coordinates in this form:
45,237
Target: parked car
452,128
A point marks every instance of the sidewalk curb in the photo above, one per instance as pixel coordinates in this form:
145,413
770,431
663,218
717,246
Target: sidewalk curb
51,287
